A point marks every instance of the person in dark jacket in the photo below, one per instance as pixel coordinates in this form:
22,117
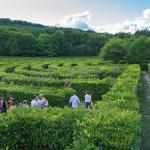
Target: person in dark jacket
4,107
1,105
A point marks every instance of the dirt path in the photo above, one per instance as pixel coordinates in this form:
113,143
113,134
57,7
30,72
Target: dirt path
144,93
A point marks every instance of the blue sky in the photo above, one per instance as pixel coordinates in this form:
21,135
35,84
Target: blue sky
99,15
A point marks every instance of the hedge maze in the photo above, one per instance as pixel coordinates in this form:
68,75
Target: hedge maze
114,121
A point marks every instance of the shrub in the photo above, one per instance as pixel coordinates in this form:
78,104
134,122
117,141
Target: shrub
45,66
10,69
55,96
33,129
96,87
115,129
139,50
116,123
73,65
28,67
61,65
124,91
115,50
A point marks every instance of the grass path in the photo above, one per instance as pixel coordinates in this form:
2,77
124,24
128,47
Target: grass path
144,93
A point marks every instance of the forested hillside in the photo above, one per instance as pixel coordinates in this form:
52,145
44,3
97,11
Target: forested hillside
20,38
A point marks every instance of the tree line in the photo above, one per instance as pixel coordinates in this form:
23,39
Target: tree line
20,38
128,48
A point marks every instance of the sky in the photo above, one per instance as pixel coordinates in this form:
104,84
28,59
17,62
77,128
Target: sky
99,15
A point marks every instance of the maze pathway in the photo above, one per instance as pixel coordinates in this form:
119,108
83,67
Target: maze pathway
145,109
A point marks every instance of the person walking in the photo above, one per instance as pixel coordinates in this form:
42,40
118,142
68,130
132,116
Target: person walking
74,100
87,100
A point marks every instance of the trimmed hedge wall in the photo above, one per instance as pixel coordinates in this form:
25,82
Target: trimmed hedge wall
66,129
55,96
32,129
96,87
123,94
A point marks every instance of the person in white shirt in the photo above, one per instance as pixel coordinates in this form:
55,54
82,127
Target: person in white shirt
74,101
87,100
34,101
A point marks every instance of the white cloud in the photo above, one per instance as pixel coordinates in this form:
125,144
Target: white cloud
141,22
81,21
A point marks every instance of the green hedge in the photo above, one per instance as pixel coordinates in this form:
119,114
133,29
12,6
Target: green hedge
67,129
32,129
34,81
119,123
116,122
96,87
113,128
55,96
124,92
31,73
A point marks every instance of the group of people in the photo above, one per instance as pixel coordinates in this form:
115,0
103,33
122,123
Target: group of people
10,104
75,101
39,101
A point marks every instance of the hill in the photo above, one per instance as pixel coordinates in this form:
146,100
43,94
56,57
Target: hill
21,38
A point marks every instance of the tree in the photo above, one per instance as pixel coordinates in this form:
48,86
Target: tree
24,38
83,50
60,44
26,44
116,50
45,45
140,50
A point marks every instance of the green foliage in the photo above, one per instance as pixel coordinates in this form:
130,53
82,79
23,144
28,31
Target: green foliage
127,48
19,38
32,129
114,121
55,96
115,50
123,94
96,87
139,50
24,78
113,128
